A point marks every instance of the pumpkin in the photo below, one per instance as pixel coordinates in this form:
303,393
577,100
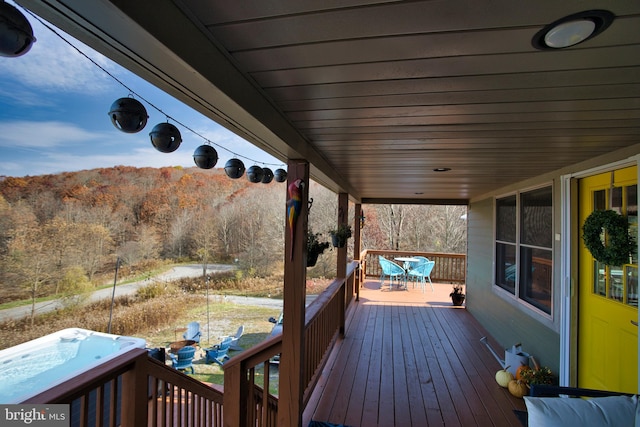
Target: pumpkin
518,388
520,370
503,377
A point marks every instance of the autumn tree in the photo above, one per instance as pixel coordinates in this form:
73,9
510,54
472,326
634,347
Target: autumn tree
204,237
228,230
449,229
179,233
391,218
74,287
29,258
262,213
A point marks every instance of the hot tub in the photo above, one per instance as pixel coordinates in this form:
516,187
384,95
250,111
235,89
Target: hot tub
32,367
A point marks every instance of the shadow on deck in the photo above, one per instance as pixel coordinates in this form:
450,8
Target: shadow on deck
411,359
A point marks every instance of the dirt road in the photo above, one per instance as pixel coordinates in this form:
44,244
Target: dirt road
191,270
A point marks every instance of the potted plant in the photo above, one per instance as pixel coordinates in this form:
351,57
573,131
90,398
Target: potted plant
457,296
340,235
314,247
538,375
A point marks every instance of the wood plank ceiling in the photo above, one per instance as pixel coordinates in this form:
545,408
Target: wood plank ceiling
378,94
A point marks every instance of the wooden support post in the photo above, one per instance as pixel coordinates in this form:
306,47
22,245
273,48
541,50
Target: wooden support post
357,246
291,386
341,267
343,210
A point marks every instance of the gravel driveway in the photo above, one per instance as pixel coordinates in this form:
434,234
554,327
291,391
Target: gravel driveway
191,270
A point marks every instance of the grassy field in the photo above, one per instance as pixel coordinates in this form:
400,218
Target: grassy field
224,319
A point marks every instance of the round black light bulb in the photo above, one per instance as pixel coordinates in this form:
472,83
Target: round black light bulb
255,174
205,157
165,137
234,168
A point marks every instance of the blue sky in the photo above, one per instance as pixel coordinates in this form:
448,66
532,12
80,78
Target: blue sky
53,115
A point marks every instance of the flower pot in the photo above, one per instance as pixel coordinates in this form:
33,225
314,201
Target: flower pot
457,299
338,241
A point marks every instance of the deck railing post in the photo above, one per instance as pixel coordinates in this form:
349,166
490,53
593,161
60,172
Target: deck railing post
134,393
236,391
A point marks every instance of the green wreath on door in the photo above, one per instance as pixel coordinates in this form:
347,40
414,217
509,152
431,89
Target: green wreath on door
619,244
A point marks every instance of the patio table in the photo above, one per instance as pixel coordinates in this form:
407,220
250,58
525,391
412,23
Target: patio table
406,260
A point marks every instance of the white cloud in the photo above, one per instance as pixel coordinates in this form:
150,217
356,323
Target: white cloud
25,97
42,134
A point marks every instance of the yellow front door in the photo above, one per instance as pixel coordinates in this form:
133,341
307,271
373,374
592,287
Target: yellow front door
608,295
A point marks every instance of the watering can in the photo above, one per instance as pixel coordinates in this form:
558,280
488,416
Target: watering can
514,357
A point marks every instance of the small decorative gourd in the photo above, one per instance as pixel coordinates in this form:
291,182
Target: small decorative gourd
503,377
518,388
521,370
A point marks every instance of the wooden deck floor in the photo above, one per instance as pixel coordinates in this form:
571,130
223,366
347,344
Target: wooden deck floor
411,359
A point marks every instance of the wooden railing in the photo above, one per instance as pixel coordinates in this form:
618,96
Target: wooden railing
448,268
137,390
322,327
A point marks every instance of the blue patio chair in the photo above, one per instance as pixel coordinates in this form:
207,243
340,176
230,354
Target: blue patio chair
422,259
422,273
235,338
193,332
218,353
391,270
183,358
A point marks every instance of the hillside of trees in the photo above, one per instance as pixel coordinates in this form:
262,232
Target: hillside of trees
62,234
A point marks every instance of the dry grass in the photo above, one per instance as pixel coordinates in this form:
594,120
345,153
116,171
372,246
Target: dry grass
224,319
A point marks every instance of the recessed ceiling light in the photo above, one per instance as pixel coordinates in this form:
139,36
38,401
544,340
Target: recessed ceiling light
572,29
442,169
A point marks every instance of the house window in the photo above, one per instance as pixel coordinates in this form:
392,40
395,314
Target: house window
524,246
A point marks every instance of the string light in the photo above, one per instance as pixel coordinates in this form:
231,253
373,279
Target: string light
132,92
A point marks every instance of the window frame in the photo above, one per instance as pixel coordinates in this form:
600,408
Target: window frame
504,292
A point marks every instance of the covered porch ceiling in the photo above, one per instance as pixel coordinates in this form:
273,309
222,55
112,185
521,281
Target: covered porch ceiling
377,95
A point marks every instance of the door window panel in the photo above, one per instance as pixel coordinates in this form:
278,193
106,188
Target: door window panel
618,283
599,278
631,274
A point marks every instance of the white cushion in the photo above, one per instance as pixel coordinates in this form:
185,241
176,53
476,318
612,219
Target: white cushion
615,411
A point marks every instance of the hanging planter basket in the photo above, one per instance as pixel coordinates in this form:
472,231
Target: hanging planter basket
340,236
314,248
312,259
619,244
338,241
